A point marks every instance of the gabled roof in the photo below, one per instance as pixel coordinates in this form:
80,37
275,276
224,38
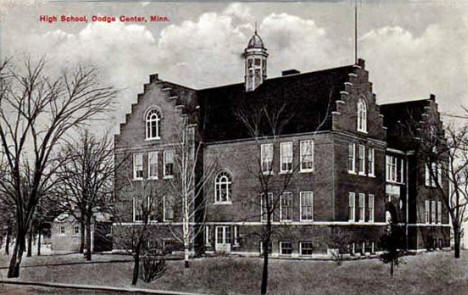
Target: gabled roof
308,99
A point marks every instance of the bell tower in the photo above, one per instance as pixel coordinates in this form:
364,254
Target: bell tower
255,62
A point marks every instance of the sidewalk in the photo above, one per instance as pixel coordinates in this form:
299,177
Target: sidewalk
95,288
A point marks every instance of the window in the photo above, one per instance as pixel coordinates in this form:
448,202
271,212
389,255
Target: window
264,206
307,206
362,198
153,165
352,209
351,158
76,229
371,162
223,235
306,248
267,158
152,124
62,230
223,188
138,166
307,155
138,209
168,208
168,164
207,235
370,208
362,160
286,157
362,116
439,211
286,206
437,173
426,211
433,212
236,235
285,248
394,169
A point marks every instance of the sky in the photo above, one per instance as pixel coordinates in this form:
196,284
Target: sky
411,48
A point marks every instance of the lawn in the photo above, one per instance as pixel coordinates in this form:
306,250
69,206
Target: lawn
429,273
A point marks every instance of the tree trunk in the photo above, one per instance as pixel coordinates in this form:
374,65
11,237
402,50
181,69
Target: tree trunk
186,255
30,242
15,261
456,233
82,235
265,267
7,245
39,243
88,237
391,268
136,266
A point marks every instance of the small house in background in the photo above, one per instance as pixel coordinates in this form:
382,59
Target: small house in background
66,233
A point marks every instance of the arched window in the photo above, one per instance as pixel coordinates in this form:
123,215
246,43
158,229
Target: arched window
223,188
153,119
362,115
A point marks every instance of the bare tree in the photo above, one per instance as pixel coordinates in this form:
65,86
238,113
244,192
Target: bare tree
147,197
36,113
446,157
85,181
188,185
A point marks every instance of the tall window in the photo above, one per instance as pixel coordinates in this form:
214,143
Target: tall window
168,208
286,206
370,208
362,160
153,165
153,119
267,158
138,166
236,235
439,212
307,206
437,173
426,211
371,162
433,212
352,158
286,157
362,116
223,188
168,163
307,155
264,207
207,235
394,169
138,207
352,208
362,205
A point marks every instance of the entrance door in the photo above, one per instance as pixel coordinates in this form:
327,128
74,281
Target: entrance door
223,239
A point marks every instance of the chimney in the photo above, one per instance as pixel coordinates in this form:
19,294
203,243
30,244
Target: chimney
290,72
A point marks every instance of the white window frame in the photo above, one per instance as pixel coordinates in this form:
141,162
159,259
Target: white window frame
289,197
427,212
75,231
266,160
371,162
226,234
149,120
433,212
62,232
137,157
223,181
165,209
263,218
309,209
301,248
362,160
352,149
362,207
306,148
362,115
236,235
370,205
281,247
207,235
153,159
165,159
134,207
439,174
352,206
286,156
439,211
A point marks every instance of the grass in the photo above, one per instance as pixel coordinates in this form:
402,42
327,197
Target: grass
429,273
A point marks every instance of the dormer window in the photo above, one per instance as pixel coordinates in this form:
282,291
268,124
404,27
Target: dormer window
153,119
362,115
